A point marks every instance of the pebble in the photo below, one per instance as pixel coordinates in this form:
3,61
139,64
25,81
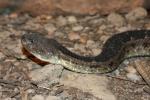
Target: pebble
147,26
9,98
138,13
52,98
132,73
61,21
102,27
99,31
104,38
73,36
80,47
77,28
97,21
1,94
116,19
90,43
32,65
83,39
13,15
50,28
123,29
117,72
32,25
50,72
86,28
72,19
86,82
96,51
1,55
126,62
4,35
31,91
133,77
59,34
38,97
131,69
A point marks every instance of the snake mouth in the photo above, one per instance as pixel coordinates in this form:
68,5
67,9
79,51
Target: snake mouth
25,46
24,40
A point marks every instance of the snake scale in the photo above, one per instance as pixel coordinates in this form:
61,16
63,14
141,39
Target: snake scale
135,43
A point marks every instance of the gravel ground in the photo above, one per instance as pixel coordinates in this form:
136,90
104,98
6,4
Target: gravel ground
23,77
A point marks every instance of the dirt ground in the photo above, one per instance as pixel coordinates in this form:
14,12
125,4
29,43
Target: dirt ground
23,77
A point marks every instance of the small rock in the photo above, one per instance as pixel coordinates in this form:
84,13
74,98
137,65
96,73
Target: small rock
102,27
1,55
72,19
50,28
4,35
123,29
138,13
70,93
147,26
32,65
38,97
86,28
31,91
117,72
61,21
80,47
116,19
77,28
96,51
9,98
133,77
47,83
131,69
32,25
83,39
88,83
90,43
52,98
126,62
59,34
18,50
104,38
73,36
97,21
13,15
99,31
49,72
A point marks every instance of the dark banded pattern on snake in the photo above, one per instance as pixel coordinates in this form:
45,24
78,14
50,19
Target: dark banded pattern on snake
121,46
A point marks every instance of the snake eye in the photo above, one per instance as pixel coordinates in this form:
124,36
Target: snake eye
32,41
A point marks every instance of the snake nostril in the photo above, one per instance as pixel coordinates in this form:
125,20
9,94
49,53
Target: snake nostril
31,41
111,63
22,38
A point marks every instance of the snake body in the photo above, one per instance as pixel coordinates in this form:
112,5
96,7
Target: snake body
117,48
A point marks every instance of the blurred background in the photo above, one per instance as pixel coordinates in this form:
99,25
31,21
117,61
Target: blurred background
80,7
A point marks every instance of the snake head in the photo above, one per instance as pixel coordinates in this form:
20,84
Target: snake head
40,46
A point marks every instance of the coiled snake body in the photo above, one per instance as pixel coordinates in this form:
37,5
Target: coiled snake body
117,48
